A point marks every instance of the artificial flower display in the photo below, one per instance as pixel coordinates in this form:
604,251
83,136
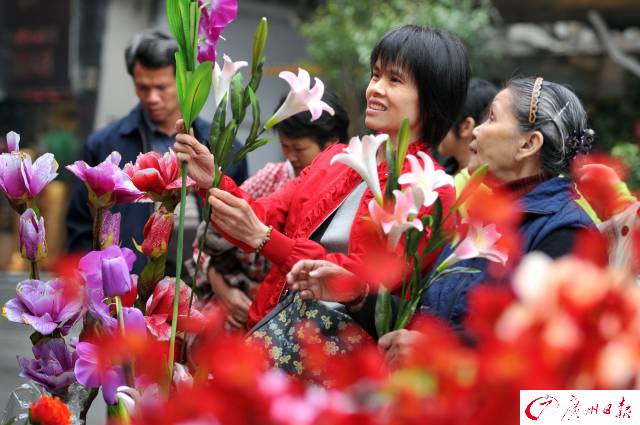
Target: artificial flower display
33,245
52,366
44,305
106,182
157,233
109,269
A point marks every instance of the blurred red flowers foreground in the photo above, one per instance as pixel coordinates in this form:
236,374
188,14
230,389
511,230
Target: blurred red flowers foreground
568,324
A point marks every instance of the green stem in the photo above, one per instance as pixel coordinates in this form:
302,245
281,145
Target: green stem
34,273
97,228
176,294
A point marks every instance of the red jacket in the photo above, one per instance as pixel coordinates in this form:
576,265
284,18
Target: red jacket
297,209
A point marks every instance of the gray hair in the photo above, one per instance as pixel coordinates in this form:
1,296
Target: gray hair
152,49
560,117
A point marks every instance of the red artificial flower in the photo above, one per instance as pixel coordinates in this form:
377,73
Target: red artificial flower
49,411
157,233
157,175
159,310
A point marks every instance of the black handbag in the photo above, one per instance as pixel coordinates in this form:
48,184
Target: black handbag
284,331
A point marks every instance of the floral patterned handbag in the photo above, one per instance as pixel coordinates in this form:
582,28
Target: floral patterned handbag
294,322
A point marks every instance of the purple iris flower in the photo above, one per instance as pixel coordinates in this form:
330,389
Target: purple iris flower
33,246
106,182
23,180
52,366
91,374
106,273
46,306
215,16
13,141
110,229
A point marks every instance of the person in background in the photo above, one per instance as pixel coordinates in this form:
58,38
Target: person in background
232,275
455,145
149,126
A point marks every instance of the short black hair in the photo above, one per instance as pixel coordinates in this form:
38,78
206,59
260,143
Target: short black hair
437,62
479,96
322,130
152,48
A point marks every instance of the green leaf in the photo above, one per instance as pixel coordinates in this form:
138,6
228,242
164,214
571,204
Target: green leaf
185,15
259,41
181,79
198,89
217,127
402,144
174,17
392,180
151,274
237,104
474,182
383,311
227,137
255,113
244,151
194,20
256,75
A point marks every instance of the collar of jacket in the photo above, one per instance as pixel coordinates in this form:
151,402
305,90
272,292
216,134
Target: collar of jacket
134,121
548,197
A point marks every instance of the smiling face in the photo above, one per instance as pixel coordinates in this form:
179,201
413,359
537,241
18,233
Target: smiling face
392,96
498,140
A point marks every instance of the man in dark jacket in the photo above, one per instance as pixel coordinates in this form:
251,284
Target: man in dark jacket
150,126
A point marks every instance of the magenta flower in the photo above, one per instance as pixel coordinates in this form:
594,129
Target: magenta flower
402,219
110,229
46,306
109,270
106,182
52,366
13,142
301,98
216,15
33,246
92,374
23,180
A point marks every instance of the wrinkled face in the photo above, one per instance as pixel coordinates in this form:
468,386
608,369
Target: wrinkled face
497,140
300,151
156,89
392,96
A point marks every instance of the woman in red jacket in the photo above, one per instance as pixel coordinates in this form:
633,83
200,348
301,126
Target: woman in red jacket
417,73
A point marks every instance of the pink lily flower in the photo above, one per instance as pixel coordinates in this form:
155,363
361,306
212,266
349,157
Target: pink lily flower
479,243
361,156
300,98
222,77
106,182
216,15
425,179
402,219
23,180
13,142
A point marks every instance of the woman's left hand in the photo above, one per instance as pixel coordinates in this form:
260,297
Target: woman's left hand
235,217
397,345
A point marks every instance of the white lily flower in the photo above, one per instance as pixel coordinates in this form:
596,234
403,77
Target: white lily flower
361,156
301,98
425,179
222,77
129,397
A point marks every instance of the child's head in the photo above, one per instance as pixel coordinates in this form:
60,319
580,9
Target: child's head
303,139
456,143
433,64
